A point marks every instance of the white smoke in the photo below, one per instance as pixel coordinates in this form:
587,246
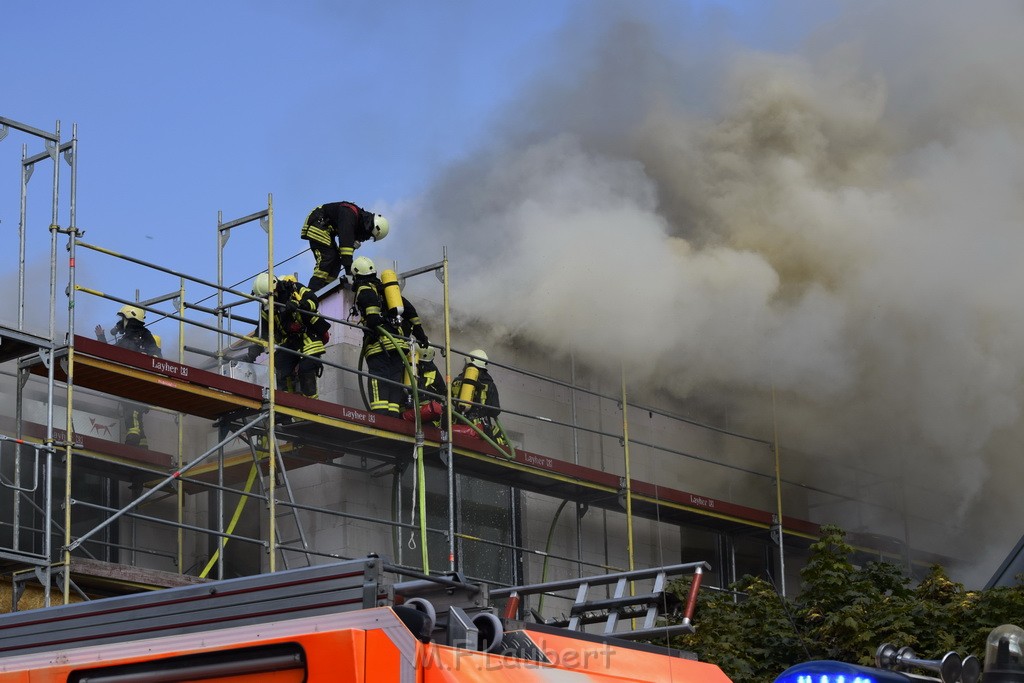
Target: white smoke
841,223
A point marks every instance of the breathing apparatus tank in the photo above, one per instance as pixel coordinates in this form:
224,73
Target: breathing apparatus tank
469,383
416,354
392,294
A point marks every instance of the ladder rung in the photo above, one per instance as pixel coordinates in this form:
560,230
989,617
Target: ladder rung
611,603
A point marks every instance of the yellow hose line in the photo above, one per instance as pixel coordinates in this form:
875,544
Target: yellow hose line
421,493
234,521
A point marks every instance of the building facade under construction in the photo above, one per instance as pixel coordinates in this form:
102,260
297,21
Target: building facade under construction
239,479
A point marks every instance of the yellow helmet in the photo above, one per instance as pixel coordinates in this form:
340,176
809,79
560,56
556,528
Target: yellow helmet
133,312
262,284
380,227
362,266
427,354
478,357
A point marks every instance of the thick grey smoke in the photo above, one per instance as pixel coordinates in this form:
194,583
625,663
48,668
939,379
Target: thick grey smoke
842,223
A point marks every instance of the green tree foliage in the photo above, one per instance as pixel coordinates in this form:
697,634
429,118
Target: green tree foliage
844,612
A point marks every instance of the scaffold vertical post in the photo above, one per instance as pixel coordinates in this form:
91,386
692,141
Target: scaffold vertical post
69,383
54,148
180,493
446,436
223,234
628,480
272,386
26,172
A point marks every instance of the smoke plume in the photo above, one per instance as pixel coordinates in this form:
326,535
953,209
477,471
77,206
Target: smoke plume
840,222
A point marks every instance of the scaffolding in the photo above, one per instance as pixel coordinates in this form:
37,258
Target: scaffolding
263,438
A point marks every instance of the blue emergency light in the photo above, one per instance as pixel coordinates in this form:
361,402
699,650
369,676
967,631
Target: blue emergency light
829,671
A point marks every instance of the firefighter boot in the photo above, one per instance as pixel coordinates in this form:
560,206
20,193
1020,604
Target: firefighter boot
307,384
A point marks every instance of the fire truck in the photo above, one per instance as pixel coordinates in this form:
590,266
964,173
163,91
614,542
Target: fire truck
362,620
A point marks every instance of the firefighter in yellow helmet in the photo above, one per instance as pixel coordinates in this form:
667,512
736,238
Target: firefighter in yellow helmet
299,332
387,394
130,333
476,397
334,231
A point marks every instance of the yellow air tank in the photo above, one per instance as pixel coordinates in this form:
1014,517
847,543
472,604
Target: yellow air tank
469,381
392,294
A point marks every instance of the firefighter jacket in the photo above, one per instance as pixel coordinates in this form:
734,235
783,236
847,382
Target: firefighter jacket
135,337
429,378
370,304
343,221
485,393
411,325
297,323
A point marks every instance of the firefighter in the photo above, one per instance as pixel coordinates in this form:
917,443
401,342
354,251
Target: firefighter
476,397
298,327
383,362
334,231
130,333
428,379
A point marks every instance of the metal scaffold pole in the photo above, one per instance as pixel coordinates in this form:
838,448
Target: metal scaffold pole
271,388
26,173
627,482
180,561
69,428
45,348
52,149
447,436
222,239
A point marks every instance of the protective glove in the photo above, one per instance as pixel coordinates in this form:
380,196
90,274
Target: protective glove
253,353
346,281
291,306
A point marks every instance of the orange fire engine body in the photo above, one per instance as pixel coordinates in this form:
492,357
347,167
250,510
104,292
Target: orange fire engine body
354,647
293,627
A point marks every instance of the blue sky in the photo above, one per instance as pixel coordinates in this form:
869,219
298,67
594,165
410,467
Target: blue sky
189,108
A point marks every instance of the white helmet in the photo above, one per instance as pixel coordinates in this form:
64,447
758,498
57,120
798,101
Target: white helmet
380,227
362,265
262,284
478,358
426,354
133,312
